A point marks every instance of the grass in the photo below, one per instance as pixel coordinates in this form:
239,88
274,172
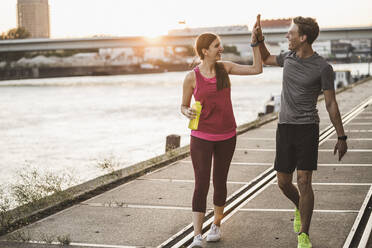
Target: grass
114,204
29,192
26,236
5,203
33,185
20,236
64,239
110,164
48,239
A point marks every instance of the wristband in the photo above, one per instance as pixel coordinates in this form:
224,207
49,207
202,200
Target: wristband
258,42
342,138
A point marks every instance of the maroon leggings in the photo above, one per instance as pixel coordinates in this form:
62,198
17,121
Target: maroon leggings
202,152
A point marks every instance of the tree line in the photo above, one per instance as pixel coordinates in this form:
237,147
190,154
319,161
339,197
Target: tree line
15,33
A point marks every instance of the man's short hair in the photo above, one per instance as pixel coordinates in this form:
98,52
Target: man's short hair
307,26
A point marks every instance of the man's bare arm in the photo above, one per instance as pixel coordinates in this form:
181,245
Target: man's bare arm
334,115
267,58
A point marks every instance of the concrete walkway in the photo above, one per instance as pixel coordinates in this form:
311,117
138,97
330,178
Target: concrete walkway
150,209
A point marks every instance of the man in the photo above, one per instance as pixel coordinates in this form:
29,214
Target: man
305,74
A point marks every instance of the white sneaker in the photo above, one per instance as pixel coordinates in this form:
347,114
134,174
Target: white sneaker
197,242
214,234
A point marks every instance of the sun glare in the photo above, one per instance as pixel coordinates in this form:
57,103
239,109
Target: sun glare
153,36
154,33
155,39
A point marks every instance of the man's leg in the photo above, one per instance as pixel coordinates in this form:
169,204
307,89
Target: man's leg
286,186
306,203
285,162
307,162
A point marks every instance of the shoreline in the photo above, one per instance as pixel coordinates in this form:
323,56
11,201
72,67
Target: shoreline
46,72
18,73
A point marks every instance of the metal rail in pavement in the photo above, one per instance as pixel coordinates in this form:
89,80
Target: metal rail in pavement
246,193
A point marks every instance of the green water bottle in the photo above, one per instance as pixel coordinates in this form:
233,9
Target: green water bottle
193,125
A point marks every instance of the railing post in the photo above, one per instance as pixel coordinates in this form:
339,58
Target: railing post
173,141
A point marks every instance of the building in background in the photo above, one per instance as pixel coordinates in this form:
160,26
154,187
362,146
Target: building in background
244,50
33,15
362,48
236,29
276,25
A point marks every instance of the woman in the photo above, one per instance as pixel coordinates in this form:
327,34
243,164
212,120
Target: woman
215,137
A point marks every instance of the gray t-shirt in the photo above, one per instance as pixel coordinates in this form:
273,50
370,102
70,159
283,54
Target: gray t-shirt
303,80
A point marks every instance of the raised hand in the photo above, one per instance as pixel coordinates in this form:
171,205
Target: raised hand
257,31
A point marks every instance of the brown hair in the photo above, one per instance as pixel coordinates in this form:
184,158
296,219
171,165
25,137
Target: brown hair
204,41
307,26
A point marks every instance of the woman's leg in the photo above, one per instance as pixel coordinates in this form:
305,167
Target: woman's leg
197,222
223,154
201,156
218,214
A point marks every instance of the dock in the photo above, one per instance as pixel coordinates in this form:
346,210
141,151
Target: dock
154,210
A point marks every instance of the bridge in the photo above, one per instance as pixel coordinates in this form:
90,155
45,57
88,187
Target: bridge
350,33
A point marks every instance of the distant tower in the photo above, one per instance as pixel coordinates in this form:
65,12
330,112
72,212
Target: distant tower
33,15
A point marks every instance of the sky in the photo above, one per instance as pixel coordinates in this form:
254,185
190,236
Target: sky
84,18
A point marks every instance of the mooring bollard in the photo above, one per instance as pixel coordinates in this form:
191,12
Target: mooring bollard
173,141
35,72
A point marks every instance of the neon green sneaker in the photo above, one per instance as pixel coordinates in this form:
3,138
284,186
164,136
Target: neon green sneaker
297,221
304,241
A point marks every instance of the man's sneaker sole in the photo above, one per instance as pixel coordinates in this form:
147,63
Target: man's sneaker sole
304,241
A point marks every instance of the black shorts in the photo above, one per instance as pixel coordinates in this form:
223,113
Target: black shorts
296,147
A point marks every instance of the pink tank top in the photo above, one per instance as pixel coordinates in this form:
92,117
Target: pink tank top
217,121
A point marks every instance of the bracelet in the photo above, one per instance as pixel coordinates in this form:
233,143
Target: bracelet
258,42
342,138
